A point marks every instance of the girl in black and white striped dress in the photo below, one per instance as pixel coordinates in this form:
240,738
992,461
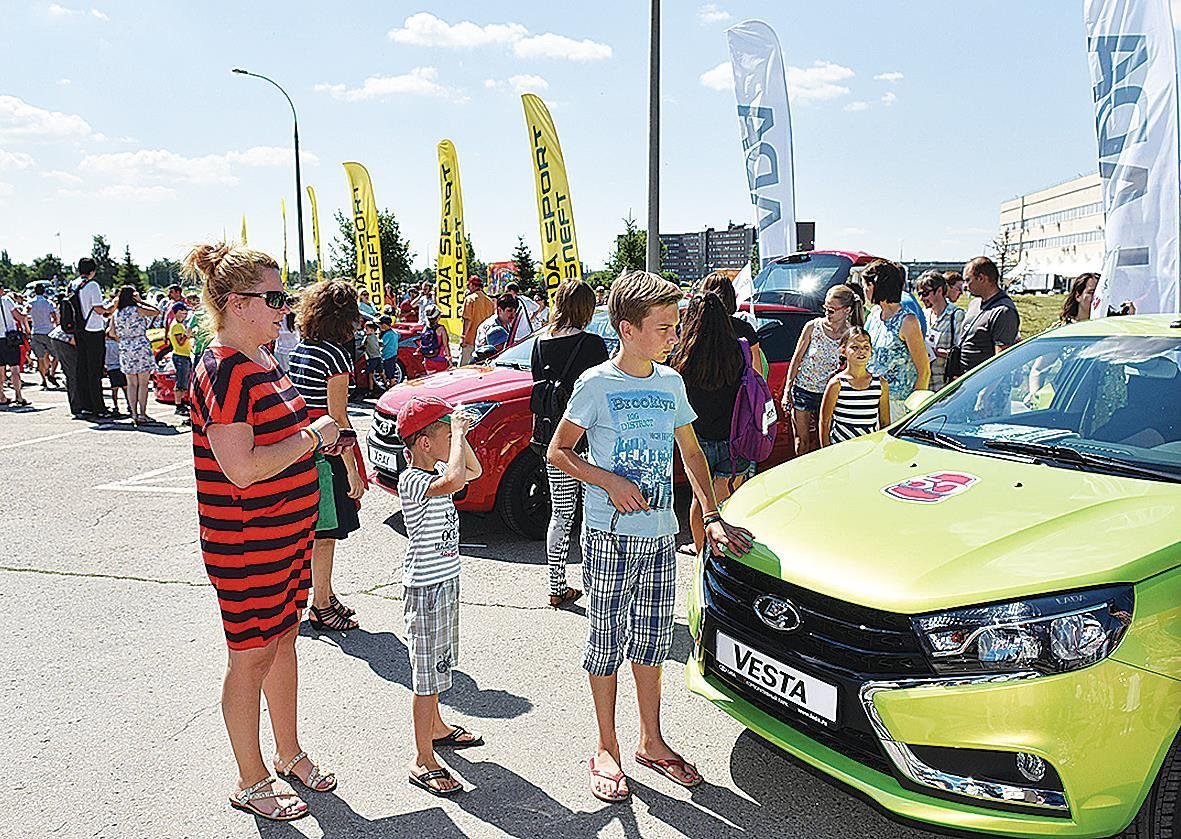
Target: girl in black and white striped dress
855,403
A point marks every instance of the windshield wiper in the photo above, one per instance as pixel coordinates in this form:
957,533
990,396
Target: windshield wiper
940,439
1067,454
515,365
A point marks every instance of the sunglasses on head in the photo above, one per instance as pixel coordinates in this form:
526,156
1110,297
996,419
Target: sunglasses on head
273,299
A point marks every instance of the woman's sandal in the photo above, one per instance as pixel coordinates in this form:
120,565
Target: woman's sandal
557,601
665,766
423,782
318,780
617,779
244,800
330,619
453,740
340,607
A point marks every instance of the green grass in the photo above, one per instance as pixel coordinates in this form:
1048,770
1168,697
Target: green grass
1038,311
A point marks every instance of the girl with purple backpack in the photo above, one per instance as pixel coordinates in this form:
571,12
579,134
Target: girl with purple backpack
712,362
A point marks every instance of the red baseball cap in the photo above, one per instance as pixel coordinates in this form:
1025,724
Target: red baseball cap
419,412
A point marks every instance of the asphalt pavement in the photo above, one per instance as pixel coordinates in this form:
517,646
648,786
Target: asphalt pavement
114,652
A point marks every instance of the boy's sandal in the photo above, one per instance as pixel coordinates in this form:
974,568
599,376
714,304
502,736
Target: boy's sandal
557,601
617,780
244,800
318,780
330,619
453,740
665,767
340,607
423,782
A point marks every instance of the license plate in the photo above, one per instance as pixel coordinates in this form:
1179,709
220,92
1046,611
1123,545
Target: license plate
386,461
775,678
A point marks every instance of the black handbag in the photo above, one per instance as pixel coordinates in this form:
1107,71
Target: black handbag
547,402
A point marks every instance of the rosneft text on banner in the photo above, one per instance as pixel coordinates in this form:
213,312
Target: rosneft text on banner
365,233
451,266
555,213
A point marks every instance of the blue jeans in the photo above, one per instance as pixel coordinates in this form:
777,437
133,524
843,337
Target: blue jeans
717,455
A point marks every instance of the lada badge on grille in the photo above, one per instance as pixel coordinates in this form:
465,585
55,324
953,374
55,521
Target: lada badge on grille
777,613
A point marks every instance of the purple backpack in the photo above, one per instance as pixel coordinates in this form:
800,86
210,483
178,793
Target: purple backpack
753,421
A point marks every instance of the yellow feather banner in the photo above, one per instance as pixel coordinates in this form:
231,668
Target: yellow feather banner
243,228
365,233
451,266
555,213
316,234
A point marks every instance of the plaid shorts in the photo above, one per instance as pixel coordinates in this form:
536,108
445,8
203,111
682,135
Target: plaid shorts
432,635
631,588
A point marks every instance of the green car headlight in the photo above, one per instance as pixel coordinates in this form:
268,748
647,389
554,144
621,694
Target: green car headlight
1051,634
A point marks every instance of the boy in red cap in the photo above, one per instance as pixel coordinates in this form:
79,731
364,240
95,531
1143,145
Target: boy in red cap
435,435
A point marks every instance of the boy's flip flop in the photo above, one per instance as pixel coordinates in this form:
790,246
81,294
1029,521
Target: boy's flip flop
452,740
617,779
664,767
423,782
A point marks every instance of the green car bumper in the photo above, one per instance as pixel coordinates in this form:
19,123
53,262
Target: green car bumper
1103,730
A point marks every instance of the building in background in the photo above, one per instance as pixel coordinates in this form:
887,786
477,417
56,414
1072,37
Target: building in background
692,256
1052,235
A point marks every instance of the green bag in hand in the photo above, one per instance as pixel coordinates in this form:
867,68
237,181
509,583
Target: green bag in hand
327,520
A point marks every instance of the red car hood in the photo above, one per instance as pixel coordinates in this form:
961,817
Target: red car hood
476,383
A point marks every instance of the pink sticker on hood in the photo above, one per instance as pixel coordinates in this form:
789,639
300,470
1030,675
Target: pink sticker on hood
932,488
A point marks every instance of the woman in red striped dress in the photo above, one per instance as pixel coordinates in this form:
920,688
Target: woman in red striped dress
257,499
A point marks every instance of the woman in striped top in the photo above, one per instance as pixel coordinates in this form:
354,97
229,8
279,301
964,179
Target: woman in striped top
257,496
855,402
320,367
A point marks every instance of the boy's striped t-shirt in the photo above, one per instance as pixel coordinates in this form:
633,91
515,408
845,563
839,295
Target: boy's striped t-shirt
432,525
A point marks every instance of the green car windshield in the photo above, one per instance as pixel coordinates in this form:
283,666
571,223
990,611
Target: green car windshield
1097,403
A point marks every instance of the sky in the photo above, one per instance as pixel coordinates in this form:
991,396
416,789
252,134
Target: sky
912,121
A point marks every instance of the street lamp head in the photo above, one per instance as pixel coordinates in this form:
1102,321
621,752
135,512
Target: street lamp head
238,70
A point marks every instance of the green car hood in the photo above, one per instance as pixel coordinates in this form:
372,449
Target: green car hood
826,522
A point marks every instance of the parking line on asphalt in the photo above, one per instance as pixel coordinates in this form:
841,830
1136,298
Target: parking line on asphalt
151,481
43,439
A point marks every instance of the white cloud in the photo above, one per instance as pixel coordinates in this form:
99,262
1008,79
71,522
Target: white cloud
15,160
549,45
526,83
888,77
710,13
145,165
421,81
60,175
6,189
21,121
857,106
64,82
122,191
817,82
60,12
805,84
889,98
426,30
718,78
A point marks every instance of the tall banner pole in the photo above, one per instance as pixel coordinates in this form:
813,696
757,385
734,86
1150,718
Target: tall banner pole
1133,60
451,266
283,210
244,228
555,213
316,234
765,121
365,232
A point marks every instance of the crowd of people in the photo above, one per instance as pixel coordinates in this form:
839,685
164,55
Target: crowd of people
280,477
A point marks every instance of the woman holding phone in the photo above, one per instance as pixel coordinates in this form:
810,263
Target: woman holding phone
319,368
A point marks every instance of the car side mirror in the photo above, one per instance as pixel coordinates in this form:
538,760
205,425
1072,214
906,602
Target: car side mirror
918,400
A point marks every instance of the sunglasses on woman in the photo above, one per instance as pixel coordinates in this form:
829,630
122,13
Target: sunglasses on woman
273,299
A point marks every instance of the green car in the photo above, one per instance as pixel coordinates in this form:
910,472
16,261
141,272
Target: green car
974,618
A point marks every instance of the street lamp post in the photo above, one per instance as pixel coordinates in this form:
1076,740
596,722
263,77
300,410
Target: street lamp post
298,184
652,260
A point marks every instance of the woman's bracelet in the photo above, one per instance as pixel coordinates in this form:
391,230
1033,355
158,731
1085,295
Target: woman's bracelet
710,518
319,439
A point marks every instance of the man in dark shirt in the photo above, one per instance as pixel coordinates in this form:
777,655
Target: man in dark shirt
996,326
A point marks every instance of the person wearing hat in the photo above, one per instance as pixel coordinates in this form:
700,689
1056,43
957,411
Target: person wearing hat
477,308
435,343
494,342
435,436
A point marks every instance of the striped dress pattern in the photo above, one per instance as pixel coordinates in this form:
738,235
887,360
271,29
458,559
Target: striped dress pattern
856,411
256,541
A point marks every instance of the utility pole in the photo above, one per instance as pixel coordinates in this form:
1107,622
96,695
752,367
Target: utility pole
652,260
